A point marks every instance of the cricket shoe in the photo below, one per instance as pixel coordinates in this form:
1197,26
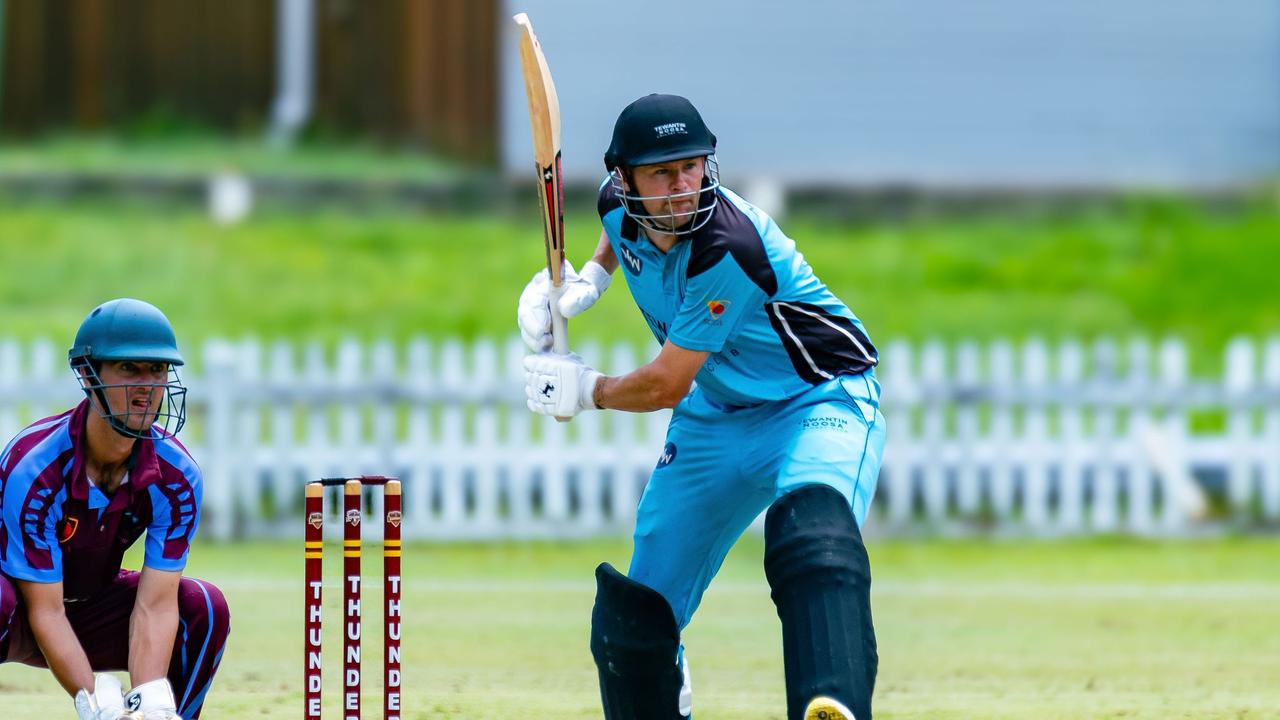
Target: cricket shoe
825,708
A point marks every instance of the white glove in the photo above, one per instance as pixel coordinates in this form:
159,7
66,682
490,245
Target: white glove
106,702
558,385
579,293
152,701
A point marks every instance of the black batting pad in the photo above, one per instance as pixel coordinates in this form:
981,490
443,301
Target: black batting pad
821,580
634,640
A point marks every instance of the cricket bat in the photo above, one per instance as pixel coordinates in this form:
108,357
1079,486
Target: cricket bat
544,119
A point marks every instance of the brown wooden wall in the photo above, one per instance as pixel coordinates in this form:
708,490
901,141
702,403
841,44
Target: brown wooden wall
420,72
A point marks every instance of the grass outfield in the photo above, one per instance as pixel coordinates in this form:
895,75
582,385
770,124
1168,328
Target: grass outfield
1146,266
1073,629
170,154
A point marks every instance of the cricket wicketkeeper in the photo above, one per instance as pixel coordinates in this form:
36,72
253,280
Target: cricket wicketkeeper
76,490
785,416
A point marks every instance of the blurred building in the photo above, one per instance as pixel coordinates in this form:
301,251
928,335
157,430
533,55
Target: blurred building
1176,93
415,72
991,92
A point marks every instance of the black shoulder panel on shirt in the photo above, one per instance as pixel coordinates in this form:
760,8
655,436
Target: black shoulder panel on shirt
731,231
608,200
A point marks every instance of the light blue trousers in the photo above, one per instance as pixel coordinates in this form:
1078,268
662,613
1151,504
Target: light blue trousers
722,466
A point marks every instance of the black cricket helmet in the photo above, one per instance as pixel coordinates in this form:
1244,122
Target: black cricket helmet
655,129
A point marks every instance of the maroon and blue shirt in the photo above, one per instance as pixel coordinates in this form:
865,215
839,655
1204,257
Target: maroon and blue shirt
56,525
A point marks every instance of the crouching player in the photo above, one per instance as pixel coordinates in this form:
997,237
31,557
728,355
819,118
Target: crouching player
76,490
784,416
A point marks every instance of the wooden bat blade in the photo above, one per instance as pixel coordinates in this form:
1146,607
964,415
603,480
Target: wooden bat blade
544,122
544,104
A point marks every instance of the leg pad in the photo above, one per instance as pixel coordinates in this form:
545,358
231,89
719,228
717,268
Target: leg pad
635,642
820,576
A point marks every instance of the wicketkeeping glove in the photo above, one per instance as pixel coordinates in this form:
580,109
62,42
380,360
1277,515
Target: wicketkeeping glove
152,701
581,291
106,702
559,385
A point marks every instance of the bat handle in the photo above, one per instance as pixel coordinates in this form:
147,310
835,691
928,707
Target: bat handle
559,327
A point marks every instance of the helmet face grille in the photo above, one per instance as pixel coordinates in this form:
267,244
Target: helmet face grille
169,417
672,222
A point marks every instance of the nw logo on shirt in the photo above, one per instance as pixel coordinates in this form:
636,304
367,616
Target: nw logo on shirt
668,455
659,328
675,128
631,261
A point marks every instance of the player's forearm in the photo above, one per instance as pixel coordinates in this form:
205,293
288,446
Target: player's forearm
658,384
604,256
642,390
61,649
152,630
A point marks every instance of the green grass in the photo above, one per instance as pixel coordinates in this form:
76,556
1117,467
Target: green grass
1153,267
198,153
1099,628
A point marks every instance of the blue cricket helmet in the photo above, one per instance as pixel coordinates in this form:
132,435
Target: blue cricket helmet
129,329
126,329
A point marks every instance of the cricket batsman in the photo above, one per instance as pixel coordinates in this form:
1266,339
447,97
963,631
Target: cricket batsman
784,416
76,490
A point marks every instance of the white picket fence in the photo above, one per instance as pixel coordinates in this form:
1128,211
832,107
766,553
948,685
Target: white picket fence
1028,439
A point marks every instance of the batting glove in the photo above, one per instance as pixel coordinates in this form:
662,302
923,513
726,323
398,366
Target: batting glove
106,702
559,385
152,701
581,291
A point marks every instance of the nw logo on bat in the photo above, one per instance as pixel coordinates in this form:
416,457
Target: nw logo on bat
548,389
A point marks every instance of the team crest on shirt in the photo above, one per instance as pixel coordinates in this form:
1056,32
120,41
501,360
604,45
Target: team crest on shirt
631,261
67,529
716,310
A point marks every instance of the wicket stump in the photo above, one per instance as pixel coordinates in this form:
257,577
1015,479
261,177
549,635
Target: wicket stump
351,549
